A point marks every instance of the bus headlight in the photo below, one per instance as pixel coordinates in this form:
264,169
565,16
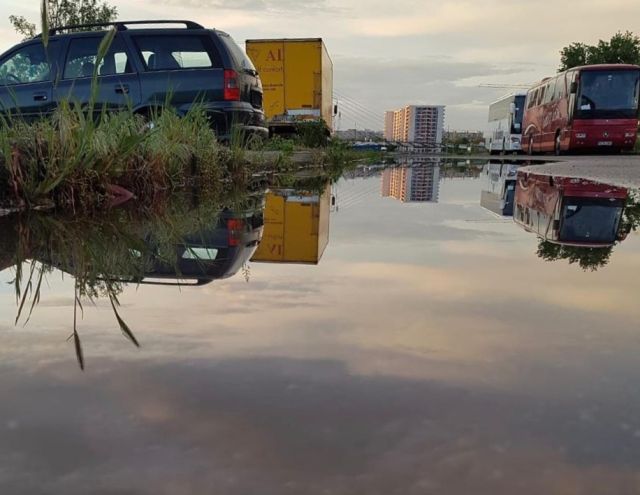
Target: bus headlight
581,135
629,134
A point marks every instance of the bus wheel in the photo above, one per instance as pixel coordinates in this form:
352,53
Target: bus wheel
556,148
531,146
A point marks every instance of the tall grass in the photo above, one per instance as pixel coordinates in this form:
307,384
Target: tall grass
73,159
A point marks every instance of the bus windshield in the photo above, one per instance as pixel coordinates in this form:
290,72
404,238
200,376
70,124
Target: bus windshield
607,94
590,220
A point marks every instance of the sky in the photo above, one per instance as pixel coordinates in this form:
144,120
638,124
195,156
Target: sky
390,54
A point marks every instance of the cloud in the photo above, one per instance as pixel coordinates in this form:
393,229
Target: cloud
425,80
264,425
272,7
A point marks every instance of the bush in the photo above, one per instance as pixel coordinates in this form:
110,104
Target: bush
313,134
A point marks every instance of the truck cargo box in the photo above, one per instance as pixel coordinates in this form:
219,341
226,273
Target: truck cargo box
297,79
296,227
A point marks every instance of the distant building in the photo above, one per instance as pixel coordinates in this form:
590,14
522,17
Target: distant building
416,183
416,124
388,125
359,135
468,136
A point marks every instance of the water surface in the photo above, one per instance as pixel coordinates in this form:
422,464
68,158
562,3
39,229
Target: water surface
430,350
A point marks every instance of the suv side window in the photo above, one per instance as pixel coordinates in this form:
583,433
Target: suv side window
162,52
29,64
82,55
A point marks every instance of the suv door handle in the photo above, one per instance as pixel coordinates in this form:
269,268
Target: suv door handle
40,97
122,89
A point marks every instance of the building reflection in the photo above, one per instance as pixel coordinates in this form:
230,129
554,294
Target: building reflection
416,180
296,226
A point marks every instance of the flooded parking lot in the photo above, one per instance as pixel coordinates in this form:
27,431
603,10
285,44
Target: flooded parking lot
395,337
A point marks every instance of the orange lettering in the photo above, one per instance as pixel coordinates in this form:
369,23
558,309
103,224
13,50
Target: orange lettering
272,57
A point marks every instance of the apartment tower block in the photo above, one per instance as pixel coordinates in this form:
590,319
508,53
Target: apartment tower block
415,124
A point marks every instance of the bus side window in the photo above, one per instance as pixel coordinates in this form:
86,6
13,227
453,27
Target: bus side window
552,91
540,95
559,93
549,91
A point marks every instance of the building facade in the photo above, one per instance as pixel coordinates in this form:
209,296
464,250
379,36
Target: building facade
388,125
416,124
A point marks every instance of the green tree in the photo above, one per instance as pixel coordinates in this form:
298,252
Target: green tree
622,48
587,258
68,12
573,55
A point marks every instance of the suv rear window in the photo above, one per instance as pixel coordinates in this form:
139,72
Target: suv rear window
239,57
162,52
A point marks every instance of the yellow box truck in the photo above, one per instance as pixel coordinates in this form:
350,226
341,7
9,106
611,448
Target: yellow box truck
296,227
297,81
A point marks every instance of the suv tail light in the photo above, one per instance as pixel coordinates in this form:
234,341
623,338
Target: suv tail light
231,85
235,226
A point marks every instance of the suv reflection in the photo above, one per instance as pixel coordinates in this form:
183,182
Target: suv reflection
215,253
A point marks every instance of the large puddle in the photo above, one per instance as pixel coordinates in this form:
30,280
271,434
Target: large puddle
395,332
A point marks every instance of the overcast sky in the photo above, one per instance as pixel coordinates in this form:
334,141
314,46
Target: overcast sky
389,54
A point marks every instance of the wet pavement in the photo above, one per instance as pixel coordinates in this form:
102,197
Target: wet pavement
432,346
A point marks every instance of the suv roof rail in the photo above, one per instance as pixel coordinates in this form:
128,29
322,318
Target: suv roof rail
122,25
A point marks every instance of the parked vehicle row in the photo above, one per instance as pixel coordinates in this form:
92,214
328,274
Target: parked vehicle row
589,108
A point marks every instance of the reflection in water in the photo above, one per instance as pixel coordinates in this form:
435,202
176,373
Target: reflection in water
416,181
296,226
498,191
408,361
191,242
575,219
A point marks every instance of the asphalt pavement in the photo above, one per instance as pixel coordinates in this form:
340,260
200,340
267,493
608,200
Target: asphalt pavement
618,170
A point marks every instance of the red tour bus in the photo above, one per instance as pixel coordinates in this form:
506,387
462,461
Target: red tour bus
594,107
569,211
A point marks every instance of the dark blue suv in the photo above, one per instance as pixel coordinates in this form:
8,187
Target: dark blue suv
145,67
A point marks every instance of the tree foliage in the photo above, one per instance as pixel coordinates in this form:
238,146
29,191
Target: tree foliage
593,258
587,258
622,48
68,12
